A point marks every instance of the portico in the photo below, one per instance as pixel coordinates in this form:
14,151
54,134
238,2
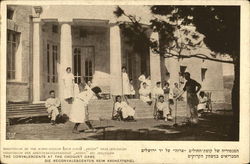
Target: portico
94,49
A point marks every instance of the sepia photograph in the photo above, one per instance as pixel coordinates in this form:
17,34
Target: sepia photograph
123,72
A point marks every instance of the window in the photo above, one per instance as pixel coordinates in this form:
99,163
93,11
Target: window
88,70
203,73
54,61
54,28
12,43
77,65
10,14
48,63
83,63
51,64
89,54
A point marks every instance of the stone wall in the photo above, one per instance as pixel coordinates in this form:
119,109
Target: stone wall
213,81
18,90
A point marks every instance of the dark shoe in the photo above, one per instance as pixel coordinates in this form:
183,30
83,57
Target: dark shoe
53,122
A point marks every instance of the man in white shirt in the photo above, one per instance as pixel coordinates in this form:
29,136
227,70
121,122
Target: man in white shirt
52,104
157,90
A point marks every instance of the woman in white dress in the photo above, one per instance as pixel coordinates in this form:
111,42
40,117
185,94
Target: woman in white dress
132,89
127,111
145,93
125,82
79,111
68,82
148,81
157,91
142,79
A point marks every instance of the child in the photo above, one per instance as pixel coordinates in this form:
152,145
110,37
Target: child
52,105
163,107
202,103
127,111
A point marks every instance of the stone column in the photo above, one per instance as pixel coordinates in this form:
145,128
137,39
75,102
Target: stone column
37,61
115,61
65,61
155,62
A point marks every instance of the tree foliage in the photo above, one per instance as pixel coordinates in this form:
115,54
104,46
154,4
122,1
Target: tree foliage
218,24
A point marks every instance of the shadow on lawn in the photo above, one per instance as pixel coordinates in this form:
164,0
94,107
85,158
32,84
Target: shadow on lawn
37,120
211,127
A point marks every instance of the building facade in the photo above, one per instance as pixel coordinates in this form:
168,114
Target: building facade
44,40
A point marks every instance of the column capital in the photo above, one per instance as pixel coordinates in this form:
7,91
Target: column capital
65,21
38,20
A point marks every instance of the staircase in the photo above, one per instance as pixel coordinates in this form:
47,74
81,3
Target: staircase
98,109
102,109
25,110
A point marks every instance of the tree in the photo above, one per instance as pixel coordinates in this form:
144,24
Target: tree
216,27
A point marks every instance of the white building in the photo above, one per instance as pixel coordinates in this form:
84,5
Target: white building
87,39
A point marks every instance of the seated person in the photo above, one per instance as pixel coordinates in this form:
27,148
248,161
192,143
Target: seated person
132,90
145,93
142,79
202,103
163,108
148,81
157,90
52,104
127,111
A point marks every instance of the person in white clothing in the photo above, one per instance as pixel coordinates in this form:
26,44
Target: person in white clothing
132,89
125,82
148,81
52,104
145,93
79,111
157,90
163,108
142,79
127,111
202,103
68,82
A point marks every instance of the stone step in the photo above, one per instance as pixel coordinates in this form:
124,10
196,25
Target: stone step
143,110
97,109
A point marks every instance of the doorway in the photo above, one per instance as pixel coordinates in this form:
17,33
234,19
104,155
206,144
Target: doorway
83,63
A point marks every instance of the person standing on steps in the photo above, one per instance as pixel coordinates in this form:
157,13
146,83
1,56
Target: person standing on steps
125,82
68,82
